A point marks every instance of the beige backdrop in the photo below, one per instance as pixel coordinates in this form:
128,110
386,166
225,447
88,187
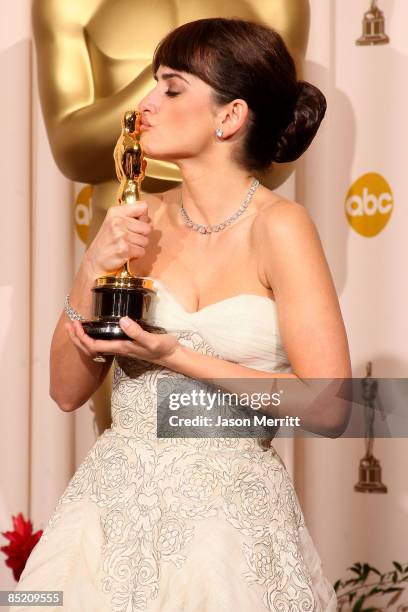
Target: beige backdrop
365,131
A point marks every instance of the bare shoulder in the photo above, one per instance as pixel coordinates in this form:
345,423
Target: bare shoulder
287,243
282,220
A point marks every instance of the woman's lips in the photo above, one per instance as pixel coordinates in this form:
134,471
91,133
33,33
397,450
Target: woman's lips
145,122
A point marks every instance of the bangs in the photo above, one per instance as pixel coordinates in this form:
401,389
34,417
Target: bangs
190,48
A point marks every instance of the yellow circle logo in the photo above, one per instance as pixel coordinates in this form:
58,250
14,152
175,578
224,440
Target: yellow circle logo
369,204
83,212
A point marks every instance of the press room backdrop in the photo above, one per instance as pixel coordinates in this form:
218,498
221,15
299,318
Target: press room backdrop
352,182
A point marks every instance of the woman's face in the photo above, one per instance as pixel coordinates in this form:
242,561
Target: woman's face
178,115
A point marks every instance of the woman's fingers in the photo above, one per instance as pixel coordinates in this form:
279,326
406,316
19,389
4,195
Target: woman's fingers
102,346
136,238
141,344
145,341
122,236
128,210
72,332
139,227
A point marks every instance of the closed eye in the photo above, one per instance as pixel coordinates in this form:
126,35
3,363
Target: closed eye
172,94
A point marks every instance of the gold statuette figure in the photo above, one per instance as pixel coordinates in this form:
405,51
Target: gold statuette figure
123,294
130,164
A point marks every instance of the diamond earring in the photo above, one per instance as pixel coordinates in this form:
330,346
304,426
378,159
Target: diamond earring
219,132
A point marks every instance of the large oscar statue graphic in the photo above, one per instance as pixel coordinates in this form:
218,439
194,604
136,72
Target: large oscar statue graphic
123,294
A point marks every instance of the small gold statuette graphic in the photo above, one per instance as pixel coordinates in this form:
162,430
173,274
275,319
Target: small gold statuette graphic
370,468
373,27
122,294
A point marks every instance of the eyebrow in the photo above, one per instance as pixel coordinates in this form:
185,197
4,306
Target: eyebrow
169,75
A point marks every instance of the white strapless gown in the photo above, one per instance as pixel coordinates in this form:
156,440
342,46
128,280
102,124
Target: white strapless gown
182,525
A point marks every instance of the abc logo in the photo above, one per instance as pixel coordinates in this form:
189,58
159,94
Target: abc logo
83,212
369,204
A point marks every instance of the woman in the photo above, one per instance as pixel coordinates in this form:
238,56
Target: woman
244,291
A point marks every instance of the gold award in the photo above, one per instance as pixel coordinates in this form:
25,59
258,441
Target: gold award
373,27
123,294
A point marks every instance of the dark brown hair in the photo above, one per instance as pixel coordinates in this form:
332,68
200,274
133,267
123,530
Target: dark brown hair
241,59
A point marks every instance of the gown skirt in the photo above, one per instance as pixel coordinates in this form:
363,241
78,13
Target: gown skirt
182,524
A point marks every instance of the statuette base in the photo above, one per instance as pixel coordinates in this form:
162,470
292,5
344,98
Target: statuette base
370,476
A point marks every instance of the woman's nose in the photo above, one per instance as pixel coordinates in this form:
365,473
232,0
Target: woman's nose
147,103
143,106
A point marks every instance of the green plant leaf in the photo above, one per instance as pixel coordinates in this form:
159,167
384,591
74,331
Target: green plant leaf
365,572
375,570
395,598
352,581
374,590
359,603
364,588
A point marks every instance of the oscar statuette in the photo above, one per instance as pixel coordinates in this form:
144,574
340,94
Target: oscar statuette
121,294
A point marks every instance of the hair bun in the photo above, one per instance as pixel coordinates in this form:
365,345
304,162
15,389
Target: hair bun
308,112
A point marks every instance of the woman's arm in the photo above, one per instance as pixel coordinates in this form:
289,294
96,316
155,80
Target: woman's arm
319,406
323,405
74,376
295,267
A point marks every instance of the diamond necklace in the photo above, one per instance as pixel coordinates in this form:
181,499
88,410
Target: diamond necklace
208,229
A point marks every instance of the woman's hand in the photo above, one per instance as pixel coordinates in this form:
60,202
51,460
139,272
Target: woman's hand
141,344
122,236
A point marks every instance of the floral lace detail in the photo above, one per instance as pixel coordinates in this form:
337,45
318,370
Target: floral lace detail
151,499
153,494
